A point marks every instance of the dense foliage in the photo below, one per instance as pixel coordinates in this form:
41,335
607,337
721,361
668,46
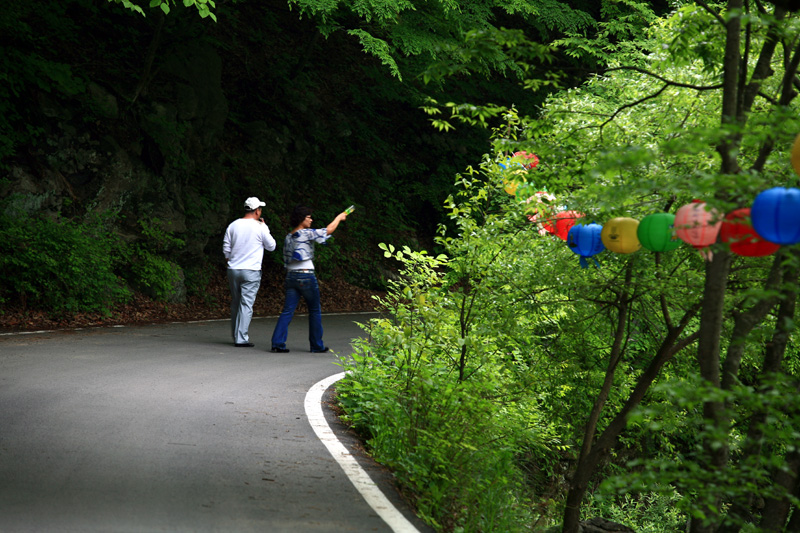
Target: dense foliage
509,388
61,265
176,111
70,266
178,119
660,389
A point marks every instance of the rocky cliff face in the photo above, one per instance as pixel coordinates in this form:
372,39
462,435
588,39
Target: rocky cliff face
165,124
156,159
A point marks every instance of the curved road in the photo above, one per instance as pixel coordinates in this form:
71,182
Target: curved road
170,428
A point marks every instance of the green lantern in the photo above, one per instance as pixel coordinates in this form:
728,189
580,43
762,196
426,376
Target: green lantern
656,232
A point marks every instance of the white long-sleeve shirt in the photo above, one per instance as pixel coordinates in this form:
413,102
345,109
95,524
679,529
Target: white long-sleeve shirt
244,243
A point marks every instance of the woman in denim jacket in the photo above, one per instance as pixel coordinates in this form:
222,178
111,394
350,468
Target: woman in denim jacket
301,281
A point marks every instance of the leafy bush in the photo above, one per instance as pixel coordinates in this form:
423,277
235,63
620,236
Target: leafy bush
59,265
26,69
655,512
70,266
449,403
160,278
147,267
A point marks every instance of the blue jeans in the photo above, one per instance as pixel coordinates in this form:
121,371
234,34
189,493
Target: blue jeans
299,284
244,286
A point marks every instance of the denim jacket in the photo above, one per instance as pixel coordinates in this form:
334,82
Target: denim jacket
299,246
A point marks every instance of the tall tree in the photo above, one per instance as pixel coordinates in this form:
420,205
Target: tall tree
735,42
714,70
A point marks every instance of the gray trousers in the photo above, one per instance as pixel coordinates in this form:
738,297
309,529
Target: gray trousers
244,286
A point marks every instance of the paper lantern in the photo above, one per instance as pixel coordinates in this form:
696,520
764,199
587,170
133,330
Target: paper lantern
527,160
512,183
540,199
697,225
585,240
656,232
743,239
541,208
518,165
619,235
561,223
775,215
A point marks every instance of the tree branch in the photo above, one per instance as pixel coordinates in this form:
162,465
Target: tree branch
665,80
713,13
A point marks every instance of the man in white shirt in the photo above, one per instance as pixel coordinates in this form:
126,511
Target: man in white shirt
244,244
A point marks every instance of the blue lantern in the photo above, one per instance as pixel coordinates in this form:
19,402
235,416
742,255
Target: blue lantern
586,241
775,215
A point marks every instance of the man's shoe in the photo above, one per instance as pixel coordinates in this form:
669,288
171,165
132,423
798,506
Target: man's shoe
279,350
244,344
325,349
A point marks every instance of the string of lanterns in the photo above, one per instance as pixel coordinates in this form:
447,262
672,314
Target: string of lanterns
772,221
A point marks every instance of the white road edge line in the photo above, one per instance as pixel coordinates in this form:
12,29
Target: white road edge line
363,483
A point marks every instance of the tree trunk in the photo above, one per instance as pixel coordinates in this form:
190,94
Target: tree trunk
744,323
151,55
581,478
708,358
589,461
776,510
794,523
708,349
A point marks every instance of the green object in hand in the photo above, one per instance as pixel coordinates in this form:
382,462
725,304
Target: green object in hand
350,209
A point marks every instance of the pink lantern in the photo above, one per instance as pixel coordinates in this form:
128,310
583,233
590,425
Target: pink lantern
541,209
698,226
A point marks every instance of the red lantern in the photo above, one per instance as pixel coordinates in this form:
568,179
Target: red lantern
528,161
560,224
697,225
737,230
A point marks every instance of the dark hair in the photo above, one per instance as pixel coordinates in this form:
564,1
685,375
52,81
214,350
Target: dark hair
299,214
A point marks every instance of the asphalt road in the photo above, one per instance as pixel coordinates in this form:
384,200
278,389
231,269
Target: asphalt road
170,428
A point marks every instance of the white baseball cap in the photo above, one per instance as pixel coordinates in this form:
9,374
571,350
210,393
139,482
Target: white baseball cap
253,203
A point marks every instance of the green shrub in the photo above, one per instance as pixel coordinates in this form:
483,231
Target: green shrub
59,265
156,276
147,266
449,405
655,512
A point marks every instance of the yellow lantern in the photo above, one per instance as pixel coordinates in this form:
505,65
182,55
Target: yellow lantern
512,183
619,235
